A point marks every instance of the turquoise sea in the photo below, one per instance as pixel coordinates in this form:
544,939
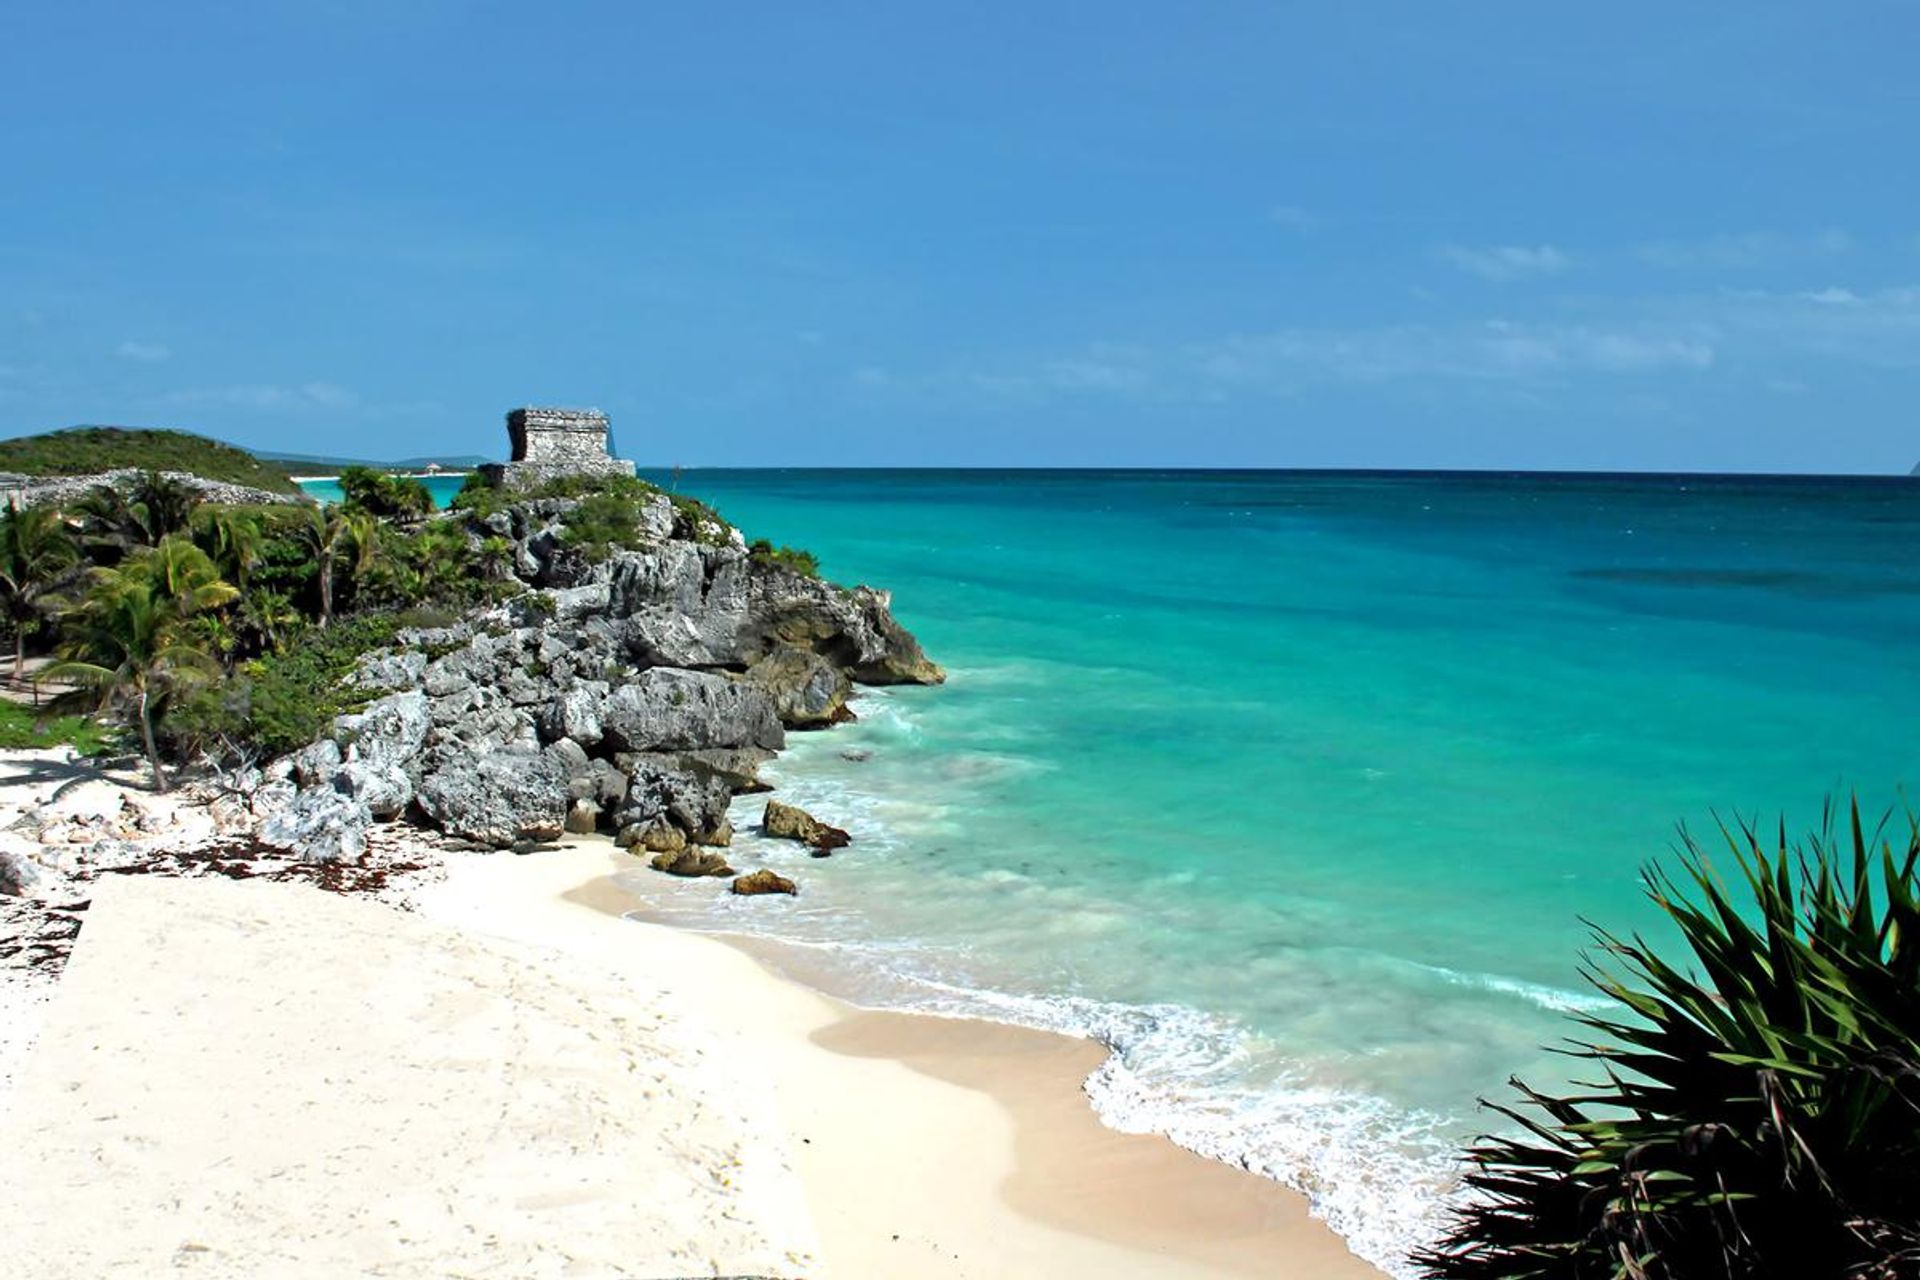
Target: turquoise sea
1294,788
443,488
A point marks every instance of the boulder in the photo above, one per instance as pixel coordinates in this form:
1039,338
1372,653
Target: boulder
499,798
691,862
764,881
808,692
658,796
271,796
583,817
788,822
601,782
575,713
666,709
656,836
479,720
321,825
385,791
737,767
315,764
18,874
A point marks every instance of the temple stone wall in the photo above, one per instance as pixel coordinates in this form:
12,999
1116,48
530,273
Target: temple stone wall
548,443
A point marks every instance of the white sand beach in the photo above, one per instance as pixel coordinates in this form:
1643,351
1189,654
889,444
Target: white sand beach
248,1078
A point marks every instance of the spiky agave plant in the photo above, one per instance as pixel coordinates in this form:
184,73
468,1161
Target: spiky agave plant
1760,1111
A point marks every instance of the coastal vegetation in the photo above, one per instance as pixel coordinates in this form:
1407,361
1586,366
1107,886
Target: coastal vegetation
801,562
80,451
198,627
1756,1115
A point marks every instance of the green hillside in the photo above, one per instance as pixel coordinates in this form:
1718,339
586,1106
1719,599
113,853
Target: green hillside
79,451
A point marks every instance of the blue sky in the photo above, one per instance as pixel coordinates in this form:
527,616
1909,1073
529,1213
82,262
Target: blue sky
1469,234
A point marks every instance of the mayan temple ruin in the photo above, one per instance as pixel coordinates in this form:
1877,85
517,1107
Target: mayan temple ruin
556,442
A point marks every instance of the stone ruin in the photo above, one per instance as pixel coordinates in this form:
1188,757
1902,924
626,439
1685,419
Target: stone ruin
548,443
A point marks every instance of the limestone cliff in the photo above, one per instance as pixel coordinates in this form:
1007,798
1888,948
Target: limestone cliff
634,695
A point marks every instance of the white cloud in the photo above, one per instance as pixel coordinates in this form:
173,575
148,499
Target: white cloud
145,352
1503,263
1746,249
1878,327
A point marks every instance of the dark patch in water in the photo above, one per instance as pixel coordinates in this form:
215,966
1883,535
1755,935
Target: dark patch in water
1791,581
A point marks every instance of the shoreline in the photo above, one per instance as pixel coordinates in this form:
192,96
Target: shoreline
1077,1195
405,475
800,1135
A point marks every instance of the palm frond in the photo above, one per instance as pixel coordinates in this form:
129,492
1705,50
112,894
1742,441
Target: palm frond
1761,1115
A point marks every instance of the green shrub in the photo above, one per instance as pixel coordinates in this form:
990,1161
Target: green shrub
694,519
602,523
804,563
479,496
1759,1114
285,700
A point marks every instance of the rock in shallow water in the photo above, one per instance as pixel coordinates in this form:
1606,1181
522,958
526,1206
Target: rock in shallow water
764,881
691,862
787,822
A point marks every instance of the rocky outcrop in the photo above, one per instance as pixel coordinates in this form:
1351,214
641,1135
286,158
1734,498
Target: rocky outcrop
764,881
670,710
786,822
41,491
807,691
499,798
635,696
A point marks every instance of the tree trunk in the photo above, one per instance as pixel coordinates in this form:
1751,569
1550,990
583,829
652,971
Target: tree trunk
326,590
19,652
153,751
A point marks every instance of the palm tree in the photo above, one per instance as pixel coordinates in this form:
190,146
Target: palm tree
382,494
270,615
494,558
445,557
166,505
124,645
182,572
331,530
109,523
153,507
233,538
35,551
